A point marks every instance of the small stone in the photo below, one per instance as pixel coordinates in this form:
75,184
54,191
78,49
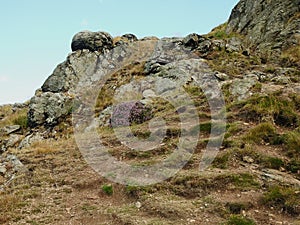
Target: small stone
149,93
248,159
244,213
138,205
2,170
221,76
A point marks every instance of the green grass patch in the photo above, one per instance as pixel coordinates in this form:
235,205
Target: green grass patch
107,189
239,220
283,198
292,144
264,132
275,107
272,162
244,180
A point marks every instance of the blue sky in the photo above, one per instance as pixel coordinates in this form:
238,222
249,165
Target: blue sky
36,35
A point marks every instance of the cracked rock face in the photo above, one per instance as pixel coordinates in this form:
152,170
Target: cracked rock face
55,98
267,24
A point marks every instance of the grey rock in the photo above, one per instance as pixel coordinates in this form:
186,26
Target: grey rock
167,50
105,116
152,67
241,88
221,76
262,77
2,170
54,100
15,161
48,108
67,74
297,89
266,24
30,139
204,47
13,140
93,41
282,177
218,44
283,80
10,167
149,93
234,45
163,85
192,40
11,129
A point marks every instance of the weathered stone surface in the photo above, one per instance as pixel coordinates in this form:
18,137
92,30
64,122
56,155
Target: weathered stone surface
30,139
13,140
241,88
93,41
67,74
234,45
10,166
105,116
48,108
204,47
273,24
192,40
221,76
11,129
54,100
166,51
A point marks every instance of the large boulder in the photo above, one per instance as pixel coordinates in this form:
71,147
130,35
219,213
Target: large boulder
93,41
272,24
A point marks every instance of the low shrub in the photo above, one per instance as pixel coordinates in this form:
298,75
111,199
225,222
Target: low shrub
107,189
128,113
239,220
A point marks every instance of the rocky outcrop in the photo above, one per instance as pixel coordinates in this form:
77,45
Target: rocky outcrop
267,24
262,25
54,100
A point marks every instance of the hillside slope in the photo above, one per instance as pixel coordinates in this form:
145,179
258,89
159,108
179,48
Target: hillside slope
220,101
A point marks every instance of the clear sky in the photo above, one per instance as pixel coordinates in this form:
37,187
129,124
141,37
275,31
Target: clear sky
36,35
